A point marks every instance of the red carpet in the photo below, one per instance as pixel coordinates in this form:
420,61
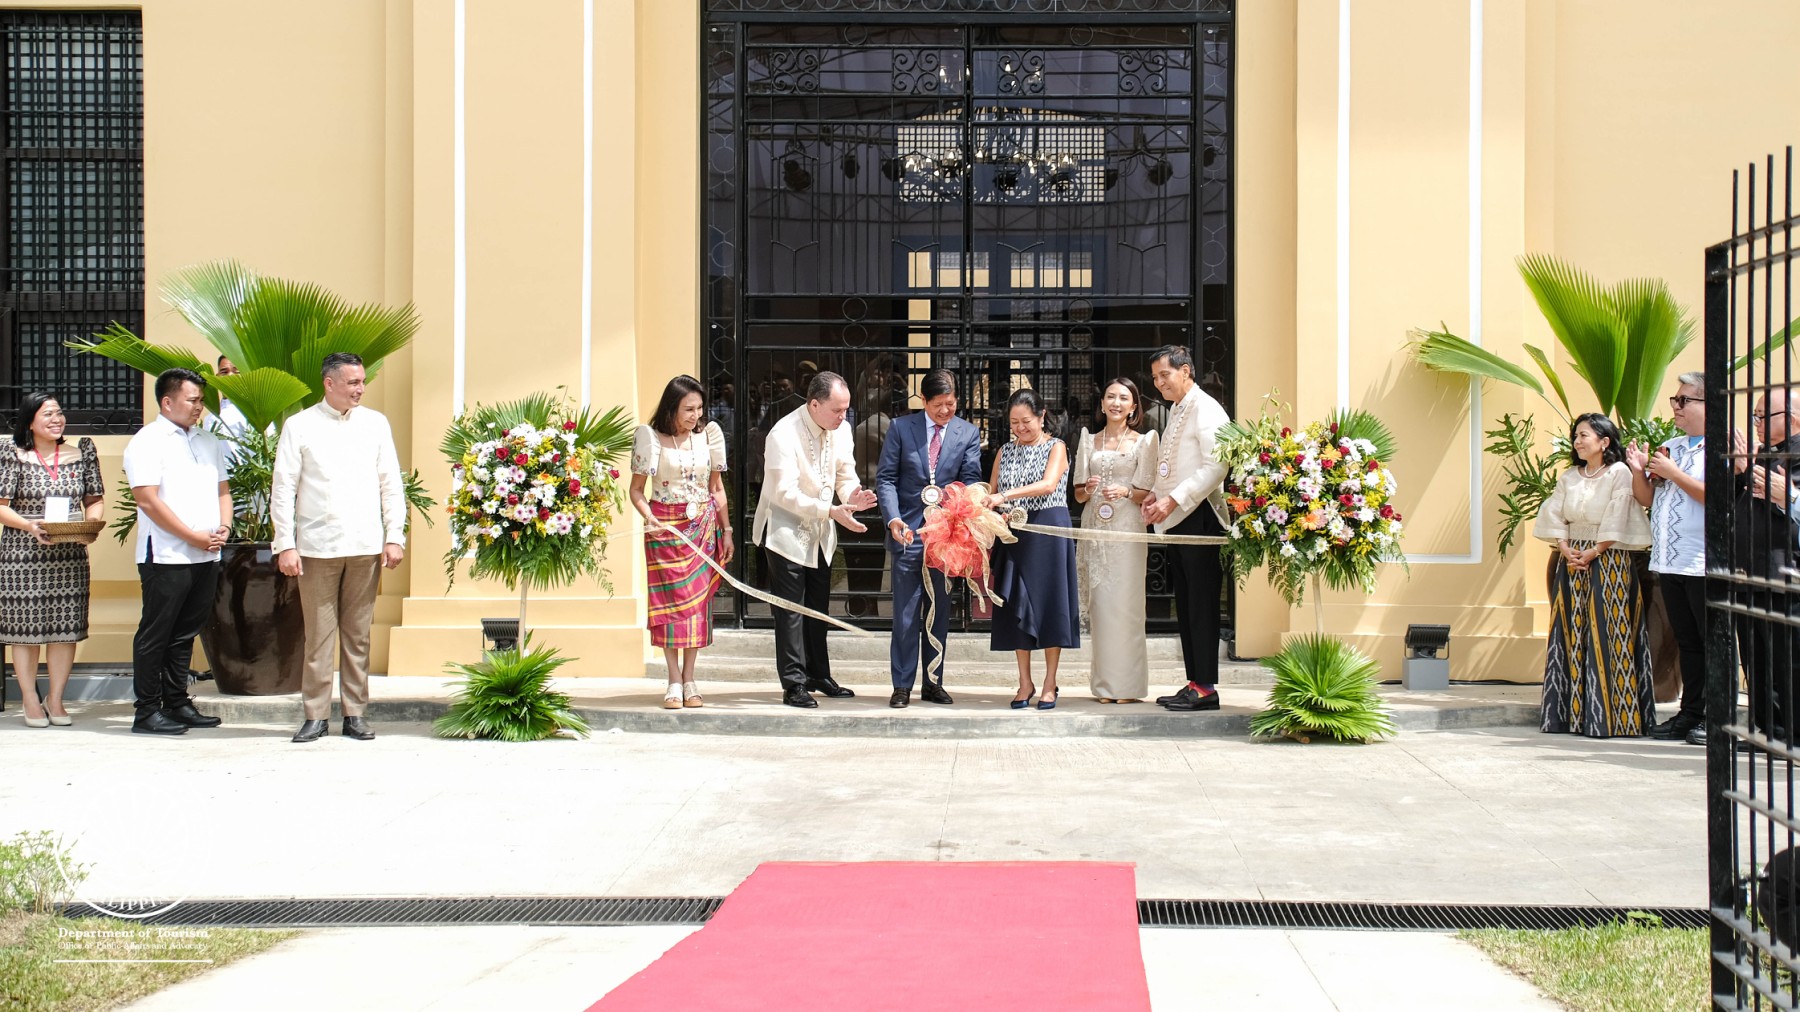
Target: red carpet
912,936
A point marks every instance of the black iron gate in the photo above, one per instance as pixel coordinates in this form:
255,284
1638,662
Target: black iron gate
1753,590
1026,192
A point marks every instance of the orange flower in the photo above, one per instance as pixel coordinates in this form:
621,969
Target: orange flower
1239,505
1331,455
1313,521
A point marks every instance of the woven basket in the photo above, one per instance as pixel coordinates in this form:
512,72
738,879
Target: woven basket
80,532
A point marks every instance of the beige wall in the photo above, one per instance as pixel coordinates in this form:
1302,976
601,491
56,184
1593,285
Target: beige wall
322,147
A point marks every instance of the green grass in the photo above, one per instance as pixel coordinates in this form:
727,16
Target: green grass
32,979
1624,967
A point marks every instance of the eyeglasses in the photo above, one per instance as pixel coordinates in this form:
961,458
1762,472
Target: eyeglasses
1680,401
1761,415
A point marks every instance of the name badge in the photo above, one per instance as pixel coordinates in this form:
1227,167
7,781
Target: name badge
930,495
1162,469
1106,512
56,509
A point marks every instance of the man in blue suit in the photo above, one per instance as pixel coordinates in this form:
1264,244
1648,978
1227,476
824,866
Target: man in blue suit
923,452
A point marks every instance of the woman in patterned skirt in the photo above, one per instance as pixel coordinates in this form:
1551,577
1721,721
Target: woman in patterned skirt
1597,679
677,484
1035,576
44,587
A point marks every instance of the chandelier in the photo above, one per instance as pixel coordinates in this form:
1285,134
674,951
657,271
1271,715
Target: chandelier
1024,154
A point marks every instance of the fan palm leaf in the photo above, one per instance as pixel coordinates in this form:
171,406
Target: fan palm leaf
1323,686
265,395
1775,343
1360,424
1582,315
207,296
1442,351
118,343
1556,384
1658,331
508,697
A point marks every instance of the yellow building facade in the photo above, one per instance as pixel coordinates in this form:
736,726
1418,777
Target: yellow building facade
531,176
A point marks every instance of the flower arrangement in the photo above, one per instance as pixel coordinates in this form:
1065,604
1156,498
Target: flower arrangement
534,490
1315,502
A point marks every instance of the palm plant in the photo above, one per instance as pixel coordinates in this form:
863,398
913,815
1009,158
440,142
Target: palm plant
278,333
1323,686
1620,340
507,696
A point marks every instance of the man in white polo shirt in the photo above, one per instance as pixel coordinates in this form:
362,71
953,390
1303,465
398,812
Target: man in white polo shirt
177,474
339,506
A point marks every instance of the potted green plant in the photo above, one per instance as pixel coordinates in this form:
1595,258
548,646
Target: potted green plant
278,333
1314,506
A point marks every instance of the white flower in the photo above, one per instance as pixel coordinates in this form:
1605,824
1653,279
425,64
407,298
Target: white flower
523,512
1393,527
587,529
491,506
1288,549
1237,533
1365,515
1257,526
569,438
1351,484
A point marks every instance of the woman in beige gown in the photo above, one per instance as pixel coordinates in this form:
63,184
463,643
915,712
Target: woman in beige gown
1114,468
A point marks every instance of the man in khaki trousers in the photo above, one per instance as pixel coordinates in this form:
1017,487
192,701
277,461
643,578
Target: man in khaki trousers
339,507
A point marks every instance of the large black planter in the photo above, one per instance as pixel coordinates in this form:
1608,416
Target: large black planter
255,639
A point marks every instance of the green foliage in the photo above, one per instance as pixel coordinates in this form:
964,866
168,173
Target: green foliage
1323,687
507,697
418,500
277,332
58,964
37,873
1530,476
1442,351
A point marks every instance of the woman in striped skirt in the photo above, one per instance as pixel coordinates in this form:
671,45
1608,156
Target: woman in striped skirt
677,484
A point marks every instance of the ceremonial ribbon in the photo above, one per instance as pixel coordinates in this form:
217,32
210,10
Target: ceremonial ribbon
743,588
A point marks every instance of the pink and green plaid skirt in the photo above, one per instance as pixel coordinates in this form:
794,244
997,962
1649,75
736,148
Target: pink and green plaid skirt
681,586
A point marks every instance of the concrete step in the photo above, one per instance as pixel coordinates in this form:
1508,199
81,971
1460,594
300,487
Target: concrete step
628,705
748,655
759,644
989,670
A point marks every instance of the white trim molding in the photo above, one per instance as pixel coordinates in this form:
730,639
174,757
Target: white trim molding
587,202
459,193
1474,555
1343,205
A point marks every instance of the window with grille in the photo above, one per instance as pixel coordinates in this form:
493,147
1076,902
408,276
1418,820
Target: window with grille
72,167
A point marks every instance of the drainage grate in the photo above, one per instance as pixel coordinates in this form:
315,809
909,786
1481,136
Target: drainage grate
403,912
634,912
1394,916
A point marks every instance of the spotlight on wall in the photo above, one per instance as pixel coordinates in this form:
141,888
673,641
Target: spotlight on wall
1161,172
1424,669
851,166
499,634
893,169
1208,155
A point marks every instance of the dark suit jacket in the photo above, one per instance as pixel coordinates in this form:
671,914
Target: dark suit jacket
903,474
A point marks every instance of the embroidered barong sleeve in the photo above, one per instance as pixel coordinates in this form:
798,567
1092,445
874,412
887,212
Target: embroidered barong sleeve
643,451
715,445
1148,451
1622,520
1083,447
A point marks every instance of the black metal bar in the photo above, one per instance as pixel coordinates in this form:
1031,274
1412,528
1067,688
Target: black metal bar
1721,675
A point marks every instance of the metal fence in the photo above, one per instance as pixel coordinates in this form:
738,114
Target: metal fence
1753,592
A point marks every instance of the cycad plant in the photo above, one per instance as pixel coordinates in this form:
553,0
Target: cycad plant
1620,340
1323,687
277,332
507,697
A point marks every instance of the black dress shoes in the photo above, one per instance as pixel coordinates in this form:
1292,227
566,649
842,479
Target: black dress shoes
358,728
1166,700
795,696
1189,701
191,717
1675,728
932,692
901,699
829,687
156,722
312,730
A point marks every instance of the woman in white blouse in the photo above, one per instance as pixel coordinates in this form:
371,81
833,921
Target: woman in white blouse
1597,679
677,484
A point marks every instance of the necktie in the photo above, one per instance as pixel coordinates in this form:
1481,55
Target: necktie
937,443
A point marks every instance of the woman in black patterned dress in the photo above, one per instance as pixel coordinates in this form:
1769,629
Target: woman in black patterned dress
44,587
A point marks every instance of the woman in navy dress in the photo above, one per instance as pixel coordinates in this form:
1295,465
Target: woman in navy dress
1036,576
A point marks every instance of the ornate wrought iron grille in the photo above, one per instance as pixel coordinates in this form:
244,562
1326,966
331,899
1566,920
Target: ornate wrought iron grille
72,170
1026,201
1753,592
